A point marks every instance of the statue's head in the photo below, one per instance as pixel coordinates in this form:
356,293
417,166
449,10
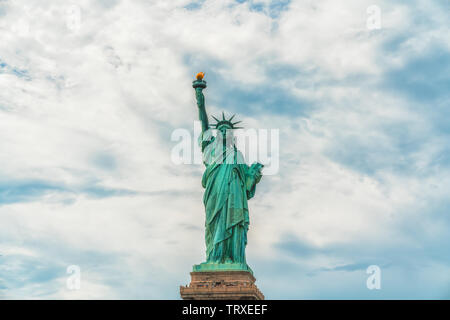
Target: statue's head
225,127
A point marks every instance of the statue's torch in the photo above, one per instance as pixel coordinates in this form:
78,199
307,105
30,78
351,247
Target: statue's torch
199,84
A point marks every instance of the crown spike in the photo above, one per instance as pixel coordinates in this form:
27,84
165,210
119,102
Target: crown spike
226,122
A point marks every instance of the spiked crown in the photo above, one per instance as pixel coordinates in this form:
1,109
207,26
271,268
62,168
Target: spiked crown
225,122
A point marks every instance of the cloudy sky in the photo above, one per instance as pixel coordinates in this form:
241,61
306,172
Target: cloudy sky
91,93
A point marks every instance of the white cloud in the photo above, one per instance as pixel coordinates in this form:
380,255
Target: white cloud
95,107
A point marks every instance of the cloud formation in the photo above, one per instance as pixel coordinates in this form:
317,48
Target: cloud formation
88,103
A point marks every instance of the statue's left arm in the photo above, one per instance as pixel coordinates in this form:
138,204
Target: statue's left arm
252,177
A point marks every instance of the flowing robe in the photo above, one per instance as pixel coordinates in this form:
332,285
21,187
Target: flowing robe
228,184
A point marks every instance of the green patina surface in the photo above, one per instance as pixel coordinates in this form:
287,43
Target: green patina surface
229,183
222,267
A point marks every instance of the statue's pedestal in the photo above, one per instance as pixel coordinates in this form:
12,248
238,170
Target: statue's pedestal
221,285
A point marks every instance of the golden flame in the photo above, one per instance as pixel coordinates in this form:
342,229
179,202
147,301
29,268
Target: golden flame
200,75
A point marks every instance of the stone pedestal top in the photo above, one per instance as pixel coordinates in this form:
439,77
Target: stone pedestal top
221,285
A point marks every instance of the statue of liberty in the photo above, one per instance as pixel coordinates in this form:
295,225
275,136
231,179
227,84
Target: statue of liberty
229,183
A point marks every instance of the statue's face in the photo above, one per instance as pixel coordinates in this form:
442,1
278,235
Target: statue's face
226,133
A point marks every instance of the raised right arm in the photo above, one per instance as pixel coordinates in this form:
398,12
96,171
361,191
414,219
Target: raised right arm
199,85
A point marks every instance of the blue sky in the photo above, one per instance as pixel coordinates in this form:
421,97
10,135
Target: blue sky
88,105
